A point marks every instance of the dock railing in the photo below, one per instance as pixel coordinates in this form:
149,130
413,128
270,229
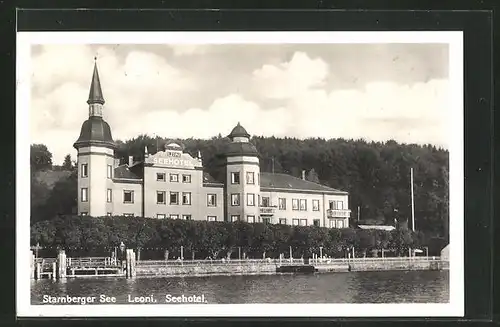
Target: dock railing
234,262
326,261
89,262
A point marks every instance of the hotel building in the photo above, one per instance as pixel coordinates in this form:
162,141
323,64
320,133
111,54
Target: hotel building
172,183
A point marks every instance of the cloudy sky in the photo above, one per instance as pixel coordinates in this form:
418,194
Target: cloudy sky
371,91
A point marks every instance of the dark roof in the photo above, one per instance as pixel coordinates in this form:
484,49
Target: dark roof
123,172
95,94
238,131
207,178
240,149
96,131
283,181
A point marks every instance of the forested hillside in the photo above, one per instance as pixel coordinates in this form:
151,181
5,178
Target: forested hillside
377,175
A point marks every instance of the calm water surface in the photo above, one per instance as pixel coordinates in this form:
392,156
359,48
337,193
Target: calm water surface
352,287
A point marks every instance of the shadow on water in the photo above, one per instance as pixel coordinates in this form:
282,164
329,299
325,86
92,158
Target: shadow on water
354,287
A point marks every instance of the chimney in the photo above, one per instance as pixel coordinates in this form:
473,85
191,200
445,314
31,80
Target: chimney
304,175
130,160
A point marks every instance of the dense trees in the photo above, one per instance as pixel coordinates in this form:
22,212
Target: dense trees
377,176
217,239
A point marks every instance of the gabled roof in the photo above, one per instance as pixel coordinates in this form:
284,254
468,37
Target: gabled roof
287,182
125,173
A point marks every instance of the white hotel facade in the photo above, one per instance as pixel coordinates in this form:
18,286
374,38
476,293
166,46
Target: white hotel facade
172,183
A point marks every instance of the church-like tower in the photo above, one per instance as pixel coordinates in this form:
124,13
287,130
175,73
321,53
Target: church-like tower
96,150
242,189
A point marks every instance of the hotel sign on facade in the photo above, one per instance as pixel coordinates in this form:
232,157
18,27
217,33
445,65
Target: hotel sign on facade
173,159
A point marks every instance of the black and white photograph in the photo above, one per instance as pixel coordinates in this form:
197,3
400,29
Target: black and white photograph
240,174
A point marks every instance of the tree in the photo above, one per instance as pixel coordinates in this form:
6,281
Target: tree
40,157
67,164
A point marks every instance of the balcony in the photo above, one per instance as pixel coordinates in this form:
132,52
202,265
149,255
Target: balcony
268,210
338,213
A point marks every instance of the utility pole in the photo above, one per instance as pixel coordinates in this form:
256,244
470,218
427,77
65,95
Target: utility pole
412,202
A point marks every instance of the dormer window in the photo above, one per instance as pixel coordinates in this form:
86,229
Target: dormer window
235,177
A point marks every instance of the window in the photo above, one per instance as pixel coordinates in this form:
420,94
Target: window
160,197
316,222
85,194
266,220
211,218
265,201
161,216
186,178
332,223
160,177
295,222
235,199
110,171
250,199
109,214
295,204
340,224
303,222
282,203
332,205
250,177
251,219
186,198
174,178
128,214
282,221
235,218
235,177
186,217
303,205
174,197
85,170
211,200
109,195
174,216
340,205
84,214
315,205
128,196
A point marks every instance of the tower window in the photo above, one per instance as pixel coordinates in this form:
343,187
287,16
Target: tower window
186,198
282,203
174,197
160,177
84,170
160,197
186,178
109,195
235,200
235,177
174,178
110,171
211,200
85,195
250,177
315,205
128,196
250,199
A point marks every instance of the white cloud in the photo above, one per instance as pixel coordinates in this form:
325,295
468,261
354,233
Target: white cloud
291,78
189,49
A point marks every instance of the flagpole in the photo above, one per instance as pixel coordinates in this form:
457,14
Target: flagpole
412,203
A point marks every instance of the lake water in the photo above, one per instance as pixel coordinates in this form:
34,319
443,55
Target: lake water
352,287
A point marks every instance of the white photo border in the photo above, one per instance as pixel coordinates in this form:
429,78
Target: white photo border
455,308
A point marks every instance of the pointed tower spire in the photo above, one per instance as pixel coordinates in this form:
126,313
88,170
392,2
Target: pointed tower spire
95,94
96,100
